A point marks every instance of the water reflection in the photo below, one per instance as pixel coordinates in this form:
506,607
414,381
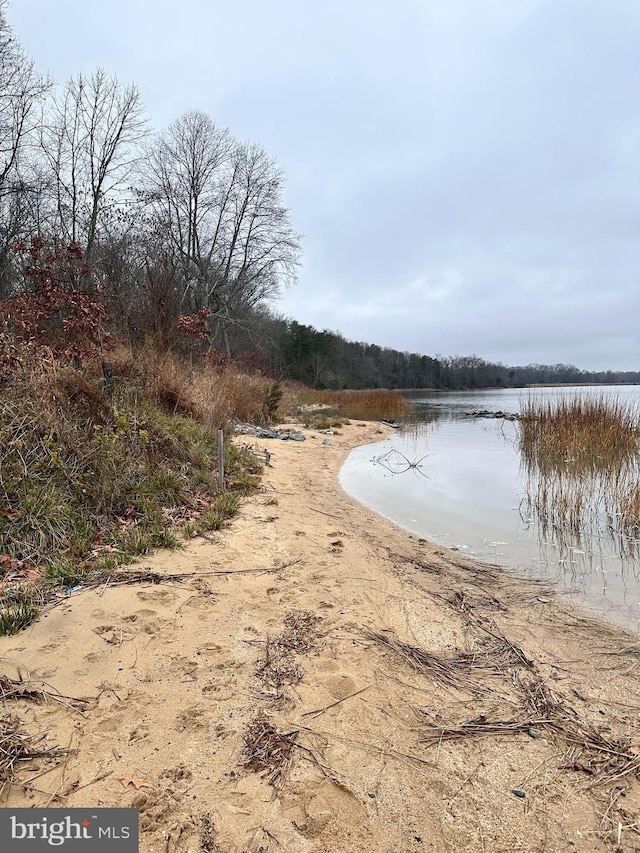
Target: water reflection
579,460
475,492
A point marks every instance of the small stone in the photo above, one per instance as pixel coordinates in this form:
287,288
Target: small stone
518,793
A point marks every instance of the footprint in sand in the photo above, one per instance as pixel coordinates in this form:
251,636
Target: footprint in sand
191,718
104,615
109,724
209,649
325,806
327,666
339,686
141,732
139,614
177,774
221,688
201,605
160,596
112,634
51,647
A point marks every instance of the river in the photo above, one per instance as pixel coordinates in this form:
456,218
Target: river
457,480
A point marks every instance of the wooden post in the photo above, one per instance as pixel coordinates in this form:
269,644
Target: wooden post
221,459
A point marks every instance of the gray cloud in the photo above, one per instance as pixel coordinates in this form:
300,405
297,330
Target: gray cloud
466,173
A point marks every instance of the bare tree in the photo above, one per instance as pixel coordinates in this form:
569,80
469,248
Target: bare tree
21,91
91,139
219,205
187,168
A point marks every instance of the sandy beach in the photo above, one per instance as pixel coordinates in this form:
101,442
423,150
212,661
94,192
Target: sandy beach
318,680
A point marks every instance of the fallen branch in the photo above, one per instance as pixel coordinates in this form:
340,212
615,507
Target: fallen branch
156,578
319,711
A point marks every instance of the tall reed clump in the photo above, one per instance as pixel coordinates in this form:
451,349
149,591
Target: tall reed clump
581,457
581,435
373,404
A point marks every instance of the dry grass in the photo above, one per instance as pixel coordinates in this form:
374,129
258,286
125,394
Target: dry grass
89,480
629,506
581,458
268,751
208,834
18,748
587,750
300,633
466,671
579,435
212,394
278,666
365,405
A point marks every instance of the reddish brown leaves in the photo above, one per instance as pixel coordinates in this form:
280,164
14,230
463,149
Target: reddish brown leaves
137,783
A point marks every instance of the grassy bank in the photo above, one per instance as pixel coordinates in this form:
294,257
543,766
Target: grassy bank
91,478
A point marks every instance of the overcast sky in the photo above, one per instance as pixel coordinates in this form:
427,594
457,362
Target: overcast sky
466,173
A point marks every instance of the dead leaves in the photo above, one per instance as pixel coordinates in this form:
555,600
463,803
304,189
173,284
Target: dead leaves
137,783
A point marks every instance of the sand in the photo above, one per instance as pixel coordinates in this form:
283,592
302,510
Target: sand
288,633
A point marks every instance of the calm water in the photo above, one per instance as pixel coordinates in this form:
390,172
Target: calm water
457,481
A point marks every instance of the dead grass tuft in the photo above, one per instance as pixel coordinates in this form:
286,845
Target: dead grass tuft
300,633
268,751
18,748
278,666
581,458
208,834
582,434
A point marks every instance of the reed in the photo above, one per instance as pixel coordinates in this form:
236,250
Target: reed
373,404
629,507
580,435
581,462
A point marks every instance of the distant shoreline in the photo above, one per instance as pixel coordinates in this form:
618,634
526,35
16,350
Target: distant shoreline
517,387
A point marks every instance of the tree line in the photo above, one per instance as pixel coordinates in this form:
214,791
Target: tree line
178,236
326,359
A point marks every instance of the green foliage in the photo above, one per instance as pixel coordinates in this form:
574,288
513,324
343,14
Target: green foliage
324,421
166,487
65,571
89,486
224,507
272,401
242,468
17,610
